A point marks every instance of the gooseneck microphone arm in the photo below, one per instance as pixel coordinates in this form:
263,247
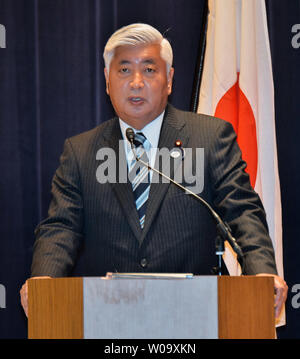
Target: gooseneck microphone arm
224,232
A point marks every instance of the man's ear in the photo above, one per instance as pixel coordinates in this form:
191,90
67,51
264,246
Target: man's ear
170,80
106,75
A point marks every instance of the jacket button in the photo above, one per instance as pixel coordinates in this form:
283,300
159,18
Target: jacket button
144,262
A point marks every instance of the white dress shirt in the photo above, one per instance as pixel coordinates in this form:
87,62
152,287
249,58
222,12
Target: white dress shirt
151,132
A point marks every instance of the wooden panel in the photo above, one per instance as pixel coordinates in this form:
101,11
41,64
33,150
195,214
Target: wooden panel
55,308
246,307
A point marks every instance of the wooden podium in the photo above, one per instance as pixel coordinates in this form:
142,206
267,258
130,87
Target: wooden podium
201,307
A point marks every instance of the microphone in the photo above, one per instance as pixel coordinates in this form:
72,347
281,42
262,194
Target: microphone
130,136
223,228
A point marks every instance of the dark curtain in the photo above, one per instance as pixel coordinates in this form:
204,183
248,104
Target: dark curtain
52,87
286,73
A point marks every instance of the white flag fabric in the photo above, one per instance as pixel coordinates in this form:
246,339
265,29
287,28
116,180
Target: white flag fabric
237,86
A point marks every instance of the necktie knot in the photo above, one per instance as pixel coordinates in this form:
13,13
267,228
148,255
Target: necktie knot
139,139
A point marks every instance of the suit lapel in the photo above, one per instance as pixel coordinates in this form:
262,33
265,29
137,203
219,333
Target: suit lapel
123,191
172,130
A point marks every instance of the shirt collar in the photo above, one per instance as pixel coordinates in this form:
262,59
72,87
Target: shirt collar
151,130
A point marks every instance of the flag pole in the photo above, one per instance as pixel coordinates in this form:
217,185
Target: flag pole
200,60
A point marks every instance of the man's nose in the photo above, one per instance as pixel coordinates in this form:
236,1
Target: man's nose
137,80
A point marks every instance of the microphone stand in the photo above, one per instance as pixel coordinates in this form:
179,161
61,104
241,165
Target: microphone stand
223,230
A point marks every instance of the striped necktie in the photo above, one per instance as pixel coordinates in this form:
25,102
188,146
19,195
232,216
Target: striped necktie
139,177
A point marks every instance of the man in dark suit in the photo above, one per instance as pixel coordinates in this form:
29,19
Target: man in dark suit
97,225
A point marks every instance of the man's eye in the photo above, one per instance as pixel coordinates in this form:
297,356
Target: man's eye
150,70
124,70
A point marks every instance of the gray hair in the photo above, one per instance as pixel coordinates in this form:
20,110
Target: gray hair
136,34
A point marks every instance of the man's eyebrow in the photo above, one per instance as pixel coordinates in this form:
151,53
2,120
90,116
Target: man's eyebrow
149,61
124,62
146,61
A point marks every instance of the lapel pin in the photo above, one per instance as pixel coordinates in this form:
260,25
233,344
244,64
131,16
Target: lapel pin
178,150
178,143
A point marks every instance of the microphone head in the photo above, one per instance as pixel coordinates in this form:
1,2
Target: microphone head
130,135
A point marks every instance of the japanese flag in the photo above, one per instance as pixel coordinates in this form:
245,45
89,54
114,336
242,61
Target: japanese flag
237,86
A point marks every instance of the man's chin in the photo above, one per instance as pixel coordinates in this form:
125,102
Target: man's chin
138,121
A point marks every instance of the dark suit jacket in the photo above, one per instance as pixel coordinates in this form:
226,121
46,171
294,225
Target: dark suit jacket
93,228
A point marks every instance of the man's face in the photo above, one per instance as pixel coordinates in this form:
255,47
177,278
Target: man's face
138,84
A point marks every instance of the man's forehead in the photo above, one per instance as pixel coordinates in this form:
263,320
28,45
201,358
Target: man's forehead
149,53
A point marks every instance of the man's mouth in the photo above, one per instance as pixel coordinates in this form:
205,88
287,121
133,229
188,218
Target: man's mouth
136,100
